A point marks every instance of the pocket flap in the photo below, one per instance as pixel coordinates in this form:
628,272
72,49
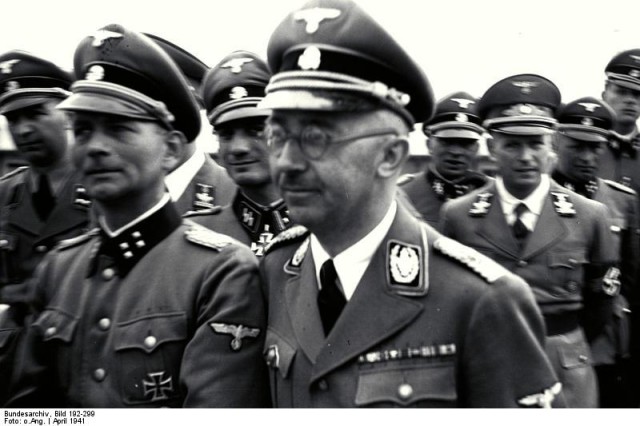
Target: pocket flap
617,224
148,333
574,356
8,241
56,325
567,260
278,353
407,386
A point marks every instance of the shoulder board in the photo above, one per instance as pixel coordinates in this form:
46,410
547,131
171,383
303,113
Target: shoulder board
487,268
619,187
15,172
204,212
203,236
76,241
405,179
286,237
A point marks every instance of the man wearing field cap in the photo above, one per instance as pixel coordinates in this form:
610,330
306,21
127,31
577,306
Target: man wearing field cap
198,182
583,133
149,310
362,312
231,92
40,204
559,242
453,136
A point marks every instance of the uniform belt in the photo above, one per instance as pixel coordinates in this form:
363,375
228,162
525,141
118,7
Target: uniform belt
561,323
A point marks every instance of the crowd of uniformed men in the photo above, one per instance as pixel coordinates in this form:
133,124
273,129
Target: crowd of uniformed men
306,270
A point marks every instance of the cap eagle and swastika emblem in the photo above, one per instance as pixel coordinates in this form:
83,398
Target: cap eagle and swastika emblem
590,107
313,17
100,36
7,66
464,103
235,64
525,86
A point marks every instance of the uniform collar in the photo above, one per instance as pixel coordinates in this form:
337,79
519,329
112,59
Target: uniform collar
446,189
257,219
127,245
587,189
534,202
351,263
178,180
625,144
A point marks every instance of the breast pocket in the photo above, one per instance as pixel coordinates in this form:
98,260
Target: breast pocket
8,268
428,386
566,273
279,355
148,355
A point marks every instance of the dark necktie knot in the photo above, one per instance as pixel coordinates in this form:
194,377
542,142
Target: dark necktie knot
43,199
331,300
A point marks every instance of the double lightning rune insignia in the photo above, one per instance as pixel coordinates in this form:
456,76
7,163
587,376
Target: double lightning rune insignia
235,64
542,399
100,36
7,66
238,332
463,103
313,17
156,386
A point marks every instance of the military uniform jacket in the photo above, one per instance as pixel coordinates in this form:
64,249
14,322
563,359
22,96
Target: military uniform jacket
24,238
564,259
620,162
448,338
428,194
211,186
184,327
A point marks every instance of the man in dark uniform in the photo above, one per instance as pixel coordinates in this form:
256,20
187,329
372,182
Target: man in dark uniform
452,138
620,162
231,91
582,136
370,306
40,204
148,310
197,182
555,239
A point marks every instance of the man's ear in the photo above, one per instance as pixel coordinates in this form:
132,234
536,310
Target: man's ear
394,154
491,145
175,144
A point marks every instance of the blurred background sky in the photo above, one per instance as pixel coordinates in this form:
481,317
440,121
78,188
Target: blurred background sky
461,44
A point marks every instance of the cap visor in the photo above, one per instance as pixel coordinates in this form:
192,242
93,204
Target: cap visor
104,104
23,102
524,130
240,113
317,100
585,136
624,83
456,134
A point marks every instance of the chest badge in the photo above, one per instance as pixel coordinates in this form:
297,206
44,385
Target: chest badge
157,386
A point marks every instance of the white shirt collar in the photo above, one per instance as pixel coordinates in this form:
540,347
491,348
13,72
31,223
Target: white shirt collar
351,263
103,224
534,202
178,180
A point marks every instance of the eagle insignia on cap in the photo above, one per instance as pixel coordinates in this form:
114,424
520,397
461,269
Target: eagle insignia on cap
635,58
590,107
462,117
464,103
525,86
314,16
587,121
310,58
634,73
238,92
11,85
95,73
235,64
7,66
100,36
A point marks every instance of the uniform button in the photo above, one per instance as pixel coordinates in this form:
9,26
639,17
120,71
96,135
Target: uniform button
405,391
571,286
41,249
522,263
99,374
50,331
573,262
104,324
323,385
4,243
108,273
150,341
583,359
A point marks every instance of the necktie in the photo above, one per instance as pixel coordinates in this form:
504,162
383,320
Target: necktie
520,231
43,199
331,301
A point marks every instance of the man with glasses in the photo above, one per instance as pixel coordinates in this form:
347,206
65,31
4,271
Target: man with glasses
368,306
453,136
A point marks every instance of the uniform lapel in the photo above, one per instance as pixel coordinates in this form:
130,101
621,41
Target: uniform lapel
373,313
302,293
24,215
494,227
65,215
549,228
